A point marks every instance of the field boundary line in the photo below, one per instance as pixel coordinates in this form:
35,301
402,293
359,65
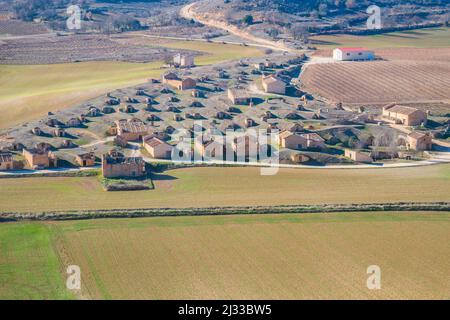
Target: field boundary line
221,211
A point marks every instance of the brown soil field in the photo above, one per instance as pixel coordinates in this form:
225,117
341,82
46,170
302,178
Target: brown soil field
76,48
224,187
17,27
322,256
417,54
380,81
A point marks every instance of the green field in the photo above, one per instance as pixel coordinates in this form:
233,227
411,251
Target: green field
218,187
306,256
29,264
422,38
29,91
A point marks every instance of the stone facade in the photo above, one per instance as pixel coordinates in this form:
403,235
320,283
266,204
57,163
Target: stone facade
419,141
116,165
404,115
6,161
272,84
358,156
157,148
173,80
296,141
40,158
85,159
239,96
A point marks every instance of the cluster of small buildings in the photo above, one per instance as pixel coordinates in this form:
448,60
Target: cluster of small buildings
293,136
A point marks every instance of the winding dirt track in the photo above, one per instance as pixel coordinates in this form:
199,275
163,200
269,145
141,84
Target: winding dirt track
188,12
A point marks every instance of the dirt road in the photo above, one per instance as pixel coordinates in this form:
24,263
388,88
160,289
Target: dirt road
188,12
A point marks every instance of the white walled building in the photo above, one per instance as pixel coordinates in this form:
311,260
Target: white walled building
183,60
350,54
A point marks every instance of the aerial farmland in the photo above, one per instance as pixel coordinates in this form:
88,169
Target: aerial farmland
215,150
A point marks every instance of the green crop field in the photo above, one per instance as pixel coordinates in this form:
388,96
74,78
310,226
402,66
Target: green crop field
422,38
231,257
29,265
215,186
29,91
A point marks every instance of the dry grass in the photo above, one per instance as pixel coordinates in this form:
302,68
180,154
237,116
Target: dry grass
205,187
321,256
29,91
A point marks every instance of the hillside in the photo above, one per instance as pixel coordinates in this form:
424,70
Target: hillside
293,21
283,19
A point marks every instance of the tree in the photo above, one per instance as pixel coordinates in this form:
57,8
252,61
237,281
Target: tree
273,32
300,32
248,19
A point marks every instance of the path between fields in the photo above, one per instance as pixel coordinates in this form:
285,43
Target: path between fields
200,40
188,12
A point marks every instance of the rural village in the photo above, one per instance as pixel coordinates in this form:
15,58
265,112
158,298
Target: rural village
128,128
224,149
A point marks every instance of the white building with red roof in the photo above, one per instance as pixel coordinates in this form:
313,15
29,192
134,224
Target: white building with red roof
351,54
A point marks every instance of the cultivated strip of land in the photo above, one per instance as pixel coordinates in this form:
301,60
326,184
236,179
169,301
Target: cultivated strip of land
223,187
308,256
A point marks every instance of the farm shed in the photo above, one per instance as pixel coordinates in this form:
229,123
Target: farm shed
59,132
173,80
36,131
183,60
239,96
351,54
108,110
419,141
404,115
128,109
85,159
39,158
53,122
93,112
358,156
248,122
157,148
67,144
73,122
273,84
